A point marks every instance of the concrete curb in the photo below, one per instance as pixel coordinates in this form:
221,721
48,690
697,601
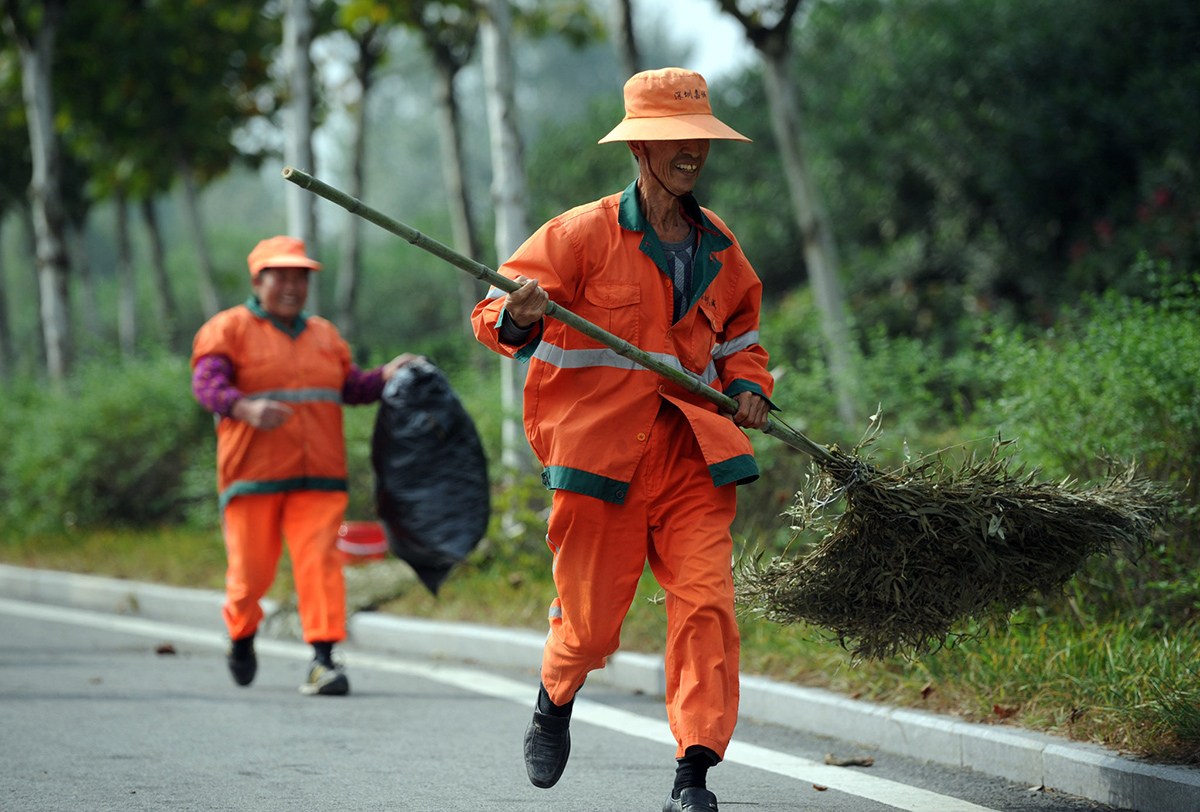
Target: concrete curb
1020,756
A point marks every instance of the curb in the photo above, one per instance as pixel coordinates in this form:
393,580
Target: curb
1024,757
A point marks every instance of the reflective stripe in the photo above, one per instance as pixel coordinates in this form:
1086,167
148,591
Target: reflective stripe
299,395
495,293
582,359
727,348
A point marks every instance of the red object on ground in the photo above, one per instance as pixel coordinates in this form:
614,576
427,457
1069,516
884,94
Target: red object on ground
360,542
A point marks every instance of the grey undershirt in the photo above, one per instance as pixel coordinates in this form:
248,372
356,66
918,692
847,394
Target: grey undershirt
681,257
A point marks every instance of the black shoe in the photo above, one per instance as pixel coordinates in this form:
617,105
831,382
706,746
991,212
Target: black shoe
547,746
691,799
243,664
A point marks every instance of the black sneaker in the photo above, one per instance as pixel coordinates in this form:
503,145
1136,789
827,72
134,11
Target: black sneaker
547,746
325,679
691,799
243,664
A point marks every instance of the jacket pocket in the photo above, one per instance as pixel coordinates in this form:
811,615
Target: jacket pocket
615,306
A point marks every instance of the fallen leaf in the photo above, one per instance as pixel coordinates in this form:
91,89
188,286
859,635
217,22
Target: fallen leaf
1003,712
164,648
819,788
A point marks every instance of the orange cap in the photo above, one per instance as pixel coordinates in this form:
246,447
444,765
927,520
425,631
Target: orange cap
280,252
669,104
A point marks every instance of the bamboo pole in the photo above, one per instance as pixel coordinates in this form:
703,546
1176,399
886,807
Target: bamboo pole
619,345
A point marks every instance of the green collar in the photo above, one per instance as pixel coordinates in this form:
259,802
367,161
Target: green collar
712,239
294,331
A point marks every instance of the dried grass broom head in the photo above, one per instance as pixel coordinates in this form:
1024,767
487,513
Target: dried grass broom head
921,554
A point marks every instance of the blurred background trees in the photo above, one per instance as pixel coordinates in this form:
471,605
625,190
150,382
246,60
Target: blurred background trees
966,157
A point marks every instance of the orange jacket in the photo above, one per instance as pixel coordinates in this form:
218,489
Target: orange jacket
305,367
588,410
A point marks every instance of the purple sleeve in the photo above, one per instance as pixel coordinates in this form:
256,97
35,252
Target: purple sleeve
212,384
362,387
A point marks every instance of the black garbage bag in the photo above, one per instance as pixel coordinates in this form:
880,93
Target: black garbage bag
431,477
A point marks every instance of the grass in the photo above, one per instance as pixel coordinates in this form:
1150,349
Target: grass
1130,686
168,555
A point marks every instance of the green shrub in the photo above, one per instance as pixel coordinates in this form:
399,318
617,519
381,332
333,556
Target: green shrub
1117,380
112,446
1118,377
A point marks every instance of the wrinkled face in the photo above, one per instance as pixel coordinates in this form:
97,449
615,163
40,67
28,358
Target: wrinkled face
282,292
674,164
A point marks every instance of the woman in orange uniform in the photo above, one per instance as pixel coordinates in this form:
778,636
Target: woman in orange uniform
276,377
642,470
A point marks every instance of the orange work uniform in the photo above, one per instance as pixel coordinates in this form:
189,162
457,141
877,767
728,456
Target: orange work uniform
289,482
641,468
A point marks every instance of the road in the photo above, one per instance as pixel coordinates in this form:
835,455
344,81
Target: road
109,712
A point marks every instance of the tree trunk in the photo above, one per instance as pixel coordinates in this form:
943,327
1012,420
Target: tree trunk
454,174
167,310
7,358
126,281
623,35
349,269
45,192
774,45
820,256
29,246
209,300
297,147
85,278
508,201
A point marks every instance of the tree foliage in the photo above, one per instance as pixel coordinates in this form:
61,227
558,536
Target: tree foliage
974,155
969,146
149,84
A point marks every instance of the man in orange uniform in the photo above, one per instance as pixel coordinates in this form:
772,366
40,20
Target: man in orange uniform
277,377
642,470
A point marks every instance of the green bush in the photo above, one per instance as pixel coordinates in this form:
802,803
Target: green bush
1118,377
112,446
1118,380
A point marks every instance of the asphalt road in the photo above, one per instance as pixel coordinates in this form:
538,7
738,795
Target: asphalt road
108,712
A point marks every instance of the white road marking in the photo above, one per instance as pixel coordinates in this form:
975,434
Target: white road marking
881,790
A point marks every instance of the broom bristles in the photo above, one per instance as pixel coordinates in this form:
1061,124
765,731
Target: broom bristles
921,556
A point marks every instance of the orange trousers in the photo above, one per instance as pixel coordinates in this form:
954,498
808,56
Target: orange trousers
255,527
675,519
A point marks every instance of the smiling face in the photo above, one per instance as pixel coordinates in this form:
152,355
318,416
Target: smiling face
282,292
675,165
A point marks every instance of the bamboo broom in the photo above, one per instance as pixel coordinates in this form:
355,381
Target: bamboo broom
918,553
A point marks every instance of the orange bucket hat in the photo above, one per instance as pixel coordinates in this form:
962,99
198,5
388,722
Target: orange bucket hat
669,104
280,252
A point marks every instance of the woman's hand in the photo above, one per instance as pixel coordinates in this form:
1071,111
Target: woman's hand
261,414
389,369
